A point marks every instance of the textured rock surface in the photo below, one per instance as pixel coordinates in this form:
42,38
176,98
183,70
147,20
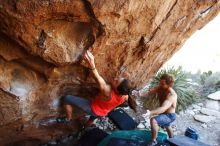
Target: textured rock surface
41,44
204,118
10,108
210,112
212,104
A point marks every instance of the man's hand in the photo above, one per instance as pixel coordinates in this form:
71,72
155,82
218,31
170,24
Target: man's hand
147,114
89,58
135,93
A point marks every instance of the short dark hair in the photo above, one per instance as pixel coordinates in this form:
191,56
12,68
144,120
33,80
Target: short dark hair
123,88
168,78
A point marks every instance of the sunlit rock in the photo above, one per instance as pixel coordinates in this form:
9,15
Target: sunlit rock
42,44
214,96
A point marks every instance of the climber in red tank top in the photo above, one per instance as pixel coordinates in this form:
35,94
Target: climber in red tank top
110,96
102,107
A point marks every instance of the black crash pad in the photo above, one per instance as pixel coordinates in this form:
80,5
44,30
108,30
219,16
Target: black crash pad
122,120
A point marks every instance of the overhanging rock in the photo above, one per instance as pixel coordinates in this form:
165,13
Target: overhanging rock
42,43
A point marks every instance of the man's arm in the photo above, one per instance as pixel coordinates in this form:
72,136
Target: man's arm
103,86
150,92
142,94
166,104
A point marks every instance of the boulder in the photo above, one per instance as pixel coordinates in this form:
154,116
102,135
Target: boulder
141,126
210,112
191,112
204,118
214,96
212,104
126,35
42,43
196,106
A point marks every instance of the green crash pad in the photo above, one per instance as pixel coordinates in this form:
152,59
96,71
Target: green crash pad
140,135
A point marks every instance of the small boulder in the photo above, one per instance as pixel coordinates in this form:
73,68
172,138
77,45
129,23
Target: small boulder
214,96
204,125
204,118
196,106
141,126
211,104
191,112
210,112
200,104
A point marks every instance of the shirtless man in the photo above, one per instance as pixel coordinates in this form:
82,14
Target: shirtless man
165,114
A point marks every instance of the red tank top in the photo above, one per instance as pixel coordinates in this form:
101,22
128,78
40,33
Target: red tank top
102,108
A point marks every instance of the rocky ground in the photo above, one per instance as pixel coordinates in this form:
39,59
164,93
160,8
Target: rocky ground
203,116
200,116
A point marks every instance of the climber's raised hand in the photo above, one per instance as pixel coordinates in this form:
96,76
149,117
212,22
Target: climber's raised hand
89,58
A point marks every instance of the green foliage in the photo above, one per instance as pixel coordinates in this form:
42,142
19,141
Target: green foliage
204,76
210,82
183,87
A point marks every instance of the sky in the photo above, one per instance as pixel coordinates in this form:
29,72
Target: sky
201,51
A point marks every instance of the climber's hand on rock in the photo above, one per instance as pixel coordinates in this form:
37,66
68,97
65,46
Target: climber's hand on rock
89,58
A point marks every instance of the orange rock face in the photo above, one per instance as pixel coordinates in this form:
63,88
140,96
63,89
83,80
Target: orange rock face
42,43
